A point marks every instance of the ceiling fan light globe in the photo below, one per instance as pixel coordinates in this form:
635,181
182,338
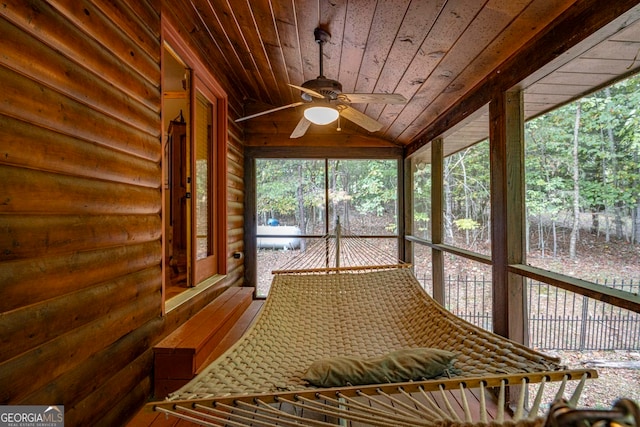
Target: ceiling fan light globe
321,115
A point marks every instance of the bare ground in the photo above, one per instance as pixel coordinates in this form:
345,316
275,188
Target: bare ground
611,384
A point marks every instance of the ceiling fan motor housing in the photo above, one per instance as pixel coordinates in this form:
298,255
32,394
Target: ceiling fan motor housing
328,87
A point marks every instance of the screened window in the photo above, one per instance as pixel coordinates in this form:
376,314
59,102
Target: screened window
583,188
466,204
298,201
421,191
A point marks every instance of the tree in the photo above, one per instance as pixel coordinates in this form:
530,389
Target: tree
289,190
576,185
422,200
466,192
604,183
547,163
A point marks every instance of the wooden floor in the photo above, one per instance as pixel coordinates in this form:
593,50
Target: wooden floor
154,419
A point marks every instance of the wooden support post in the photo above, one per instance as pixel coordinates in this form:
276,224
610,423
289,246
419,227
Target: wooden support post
402,206
437,256
508,215
406,207
250,223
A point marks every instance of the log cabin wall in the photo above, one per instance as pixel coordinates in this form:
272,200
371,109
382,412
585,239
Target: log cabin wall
80,217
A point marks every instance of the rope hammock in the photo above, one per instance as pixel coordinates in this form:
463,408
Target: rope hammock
333,304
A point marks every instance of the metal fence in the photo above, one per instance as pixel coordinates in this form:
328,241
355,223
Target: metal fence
558,319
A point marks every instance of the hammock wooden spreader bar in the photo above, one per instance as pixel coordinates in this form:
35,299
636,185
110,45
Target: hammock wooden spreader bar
341,269
407,405
341,251
489,381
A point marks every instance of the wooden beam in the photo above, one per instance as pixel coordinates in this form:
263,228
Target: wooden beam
313,152
498,190
400,194
507,214
474,256
437,256
516,221
407,209
332,139
626,300
251,222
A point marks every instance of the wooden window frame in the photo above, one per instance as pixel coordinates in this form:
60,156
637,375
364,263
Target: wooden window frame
204,82
346,153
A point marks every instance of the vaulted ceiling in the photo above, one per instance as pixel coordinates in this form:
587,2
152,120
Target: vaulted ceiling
431,52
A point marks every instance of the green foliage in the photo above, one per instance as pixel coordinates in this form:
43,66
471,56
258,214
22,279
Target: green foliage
466,224
279,182
372,185
609,147
467,193
368,187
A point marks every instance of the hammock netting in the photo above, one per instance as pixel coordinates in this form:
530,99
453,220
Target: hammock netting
329,303
309,317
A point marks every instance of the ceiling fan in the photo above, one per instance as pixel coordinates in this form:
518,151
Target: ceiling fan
327,102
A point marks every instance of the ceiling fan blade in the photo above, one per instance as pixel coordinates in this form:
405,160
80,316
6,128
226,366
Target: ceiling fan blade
373,98
301,128
309,91
359,118
295,104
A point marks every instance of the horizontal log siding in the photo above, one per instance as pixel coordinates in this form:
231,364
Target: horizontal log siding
80,205
235,201
52,29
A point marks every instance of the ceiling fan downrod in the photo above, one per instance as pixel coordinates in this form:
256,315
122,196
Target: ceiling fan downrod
321,37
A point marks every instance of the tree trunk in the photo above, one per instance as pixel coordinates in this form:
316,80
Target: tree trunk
617,220
541,242
576,186
614,172
595,223
333,187
555,238
607,237
636,224
448,214
302,222
467,215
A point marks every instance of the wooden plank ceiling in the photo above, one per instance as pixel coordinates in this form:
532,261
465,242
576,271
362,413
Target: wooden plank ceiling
431,52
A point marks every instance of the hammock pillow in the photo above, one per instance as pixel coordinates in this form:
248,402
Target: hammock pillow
398,366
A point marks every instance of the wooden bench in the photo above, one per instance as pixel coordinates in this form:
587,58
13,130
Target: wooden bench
184,352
